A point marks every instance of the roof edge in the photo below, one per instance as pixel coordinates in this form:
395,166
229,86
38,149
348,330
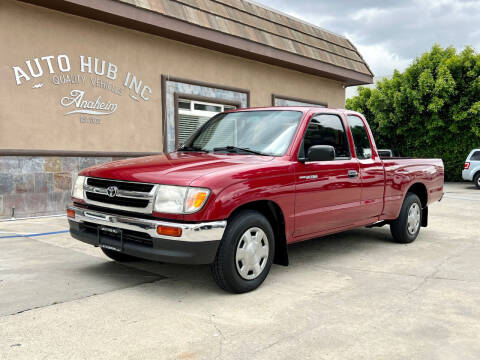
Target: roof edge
361,57
295,18
144,20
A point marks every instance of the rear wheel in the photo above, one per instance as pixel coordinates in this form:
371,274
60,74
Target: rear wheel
476,180
406,227
118,256
245,254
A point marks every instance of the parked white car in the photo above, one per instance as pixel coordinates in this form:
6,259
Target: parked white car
471,170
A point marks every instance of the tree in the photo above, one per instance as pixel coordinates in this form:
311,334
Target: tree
432,109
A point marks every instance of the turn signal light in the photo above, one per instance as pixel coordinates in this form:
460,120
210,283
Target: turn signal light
71,213
196,200
169,231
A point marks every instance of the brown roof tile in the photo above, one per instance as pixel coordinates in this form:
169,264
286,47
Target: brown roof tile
252,22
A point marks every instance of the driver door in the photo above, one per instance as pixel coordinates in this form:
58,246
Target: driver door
327,193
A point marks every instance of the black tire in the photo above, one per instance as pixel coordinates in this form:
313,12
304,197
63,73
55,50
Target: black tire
118,256
224,267
476,180
400,226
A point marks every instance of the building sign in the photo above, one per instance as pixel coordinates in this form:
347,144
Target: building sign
92,73
83,106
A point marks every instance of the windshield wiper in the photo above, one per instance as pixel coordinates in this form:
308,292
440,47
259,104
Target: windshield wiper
236,149
191,148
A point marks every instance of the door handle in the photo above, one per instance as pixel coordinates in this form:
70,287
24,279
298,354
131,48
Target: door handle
352,173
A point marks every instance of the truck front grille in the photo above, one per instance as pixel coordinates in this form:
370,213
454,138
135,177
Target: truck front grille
120,195
129,202
121,185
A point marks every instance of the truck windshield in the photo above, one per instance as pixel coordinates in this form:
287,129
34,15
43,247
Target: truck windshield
265,132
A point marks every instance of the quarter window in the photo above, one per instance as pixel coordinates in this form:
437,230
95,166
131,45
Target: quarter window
326,129
360,138
475,156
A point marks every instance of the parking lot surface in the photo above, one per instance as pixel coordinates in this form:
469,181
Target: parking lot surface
354,295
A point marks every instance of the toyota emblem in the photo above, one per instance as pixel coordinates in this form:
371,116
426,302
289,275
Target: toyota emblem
112,191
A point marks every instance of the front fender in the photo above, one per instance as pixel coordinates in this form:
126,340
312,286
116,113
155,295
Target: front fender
280,190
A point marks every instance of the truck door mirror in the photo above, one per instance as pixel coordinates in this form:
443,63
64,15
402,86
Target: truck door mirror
321,153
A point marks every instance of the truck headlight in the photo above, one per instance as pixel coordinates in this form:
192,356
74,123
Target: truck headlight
77,188
180,199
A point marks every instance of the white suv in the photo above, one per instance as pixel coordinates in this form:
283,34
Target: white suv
471,170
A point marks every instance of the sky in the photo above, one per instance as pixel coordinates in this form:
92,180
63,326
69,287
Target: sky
391,34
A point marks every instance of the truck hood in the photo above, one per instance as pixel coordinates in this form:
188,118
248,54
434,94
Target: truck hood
179,168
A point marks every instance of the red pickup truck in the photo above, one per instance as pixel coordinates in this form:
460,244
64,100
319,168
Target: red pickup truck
247,184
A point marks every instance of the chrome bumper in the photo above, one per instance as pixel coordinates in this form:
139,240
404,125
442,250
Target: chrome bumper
193,232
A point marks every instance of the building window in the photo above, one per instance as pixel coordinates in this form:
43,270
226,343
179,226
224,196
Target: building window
193,114
279,100
198,100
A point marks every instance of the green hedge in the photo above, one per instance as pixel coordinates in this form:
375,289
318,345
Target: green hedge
432,109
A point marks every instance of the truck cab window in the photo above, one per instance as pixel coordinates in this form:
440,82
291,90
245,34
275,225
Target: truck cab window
360,137
326,129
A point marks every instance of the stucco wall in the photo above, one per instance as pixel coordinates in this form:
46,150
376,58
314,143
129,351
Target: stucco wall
32,116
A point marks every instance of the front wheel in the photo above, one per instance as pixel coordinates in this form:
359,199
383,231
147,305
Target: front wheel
406,227
245,254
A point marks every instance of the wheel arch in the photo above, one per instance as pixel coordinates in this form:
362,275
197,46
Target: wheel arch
420,190
274,214
477,172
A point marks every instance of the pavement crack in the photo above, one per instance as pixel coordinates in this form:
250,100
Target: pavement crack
285,339
82,298
272,344
371,271
432,275
222,337
416,288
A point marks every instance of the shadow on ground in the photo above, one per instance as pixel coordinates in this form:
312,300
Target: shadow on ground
324,250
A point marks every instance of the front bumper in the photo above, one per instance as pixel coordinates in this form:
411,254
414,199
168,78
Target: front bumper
138,237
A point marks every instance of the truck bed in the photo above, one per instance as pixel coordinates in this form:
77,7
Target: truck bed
399,175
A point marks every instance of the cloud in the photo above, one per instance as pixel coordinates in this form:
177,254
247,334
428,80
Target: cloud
383,60
369,15
380,58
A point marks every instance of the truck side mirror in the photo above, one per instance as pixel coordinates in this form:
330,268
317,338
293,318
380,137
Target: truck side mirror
321,153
